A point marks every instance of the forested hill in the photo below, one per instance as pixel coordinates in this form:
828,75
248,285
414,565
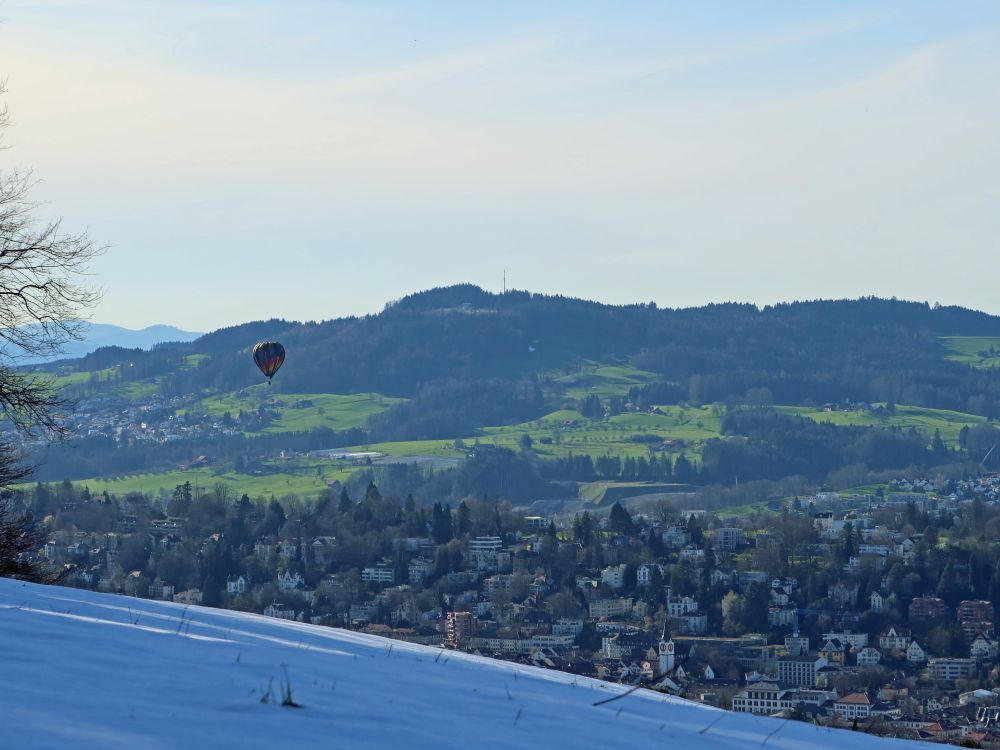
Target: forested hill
818,351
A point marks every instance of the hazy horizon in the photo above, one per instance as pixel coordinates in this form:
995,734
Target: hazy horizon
314,160
381,307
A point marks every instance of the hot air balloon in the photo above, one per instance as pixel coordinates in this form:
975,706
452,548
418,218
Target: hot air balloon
269,356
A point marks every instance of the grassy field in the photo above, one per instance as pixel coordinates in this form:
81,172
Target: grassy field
567,430
78,378
604,380
605,493
555,435
299,480
924,419
977,351
570,432
298,411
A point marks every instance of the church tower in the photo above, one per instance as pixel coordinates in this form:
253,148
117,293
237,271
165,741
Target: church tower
666,651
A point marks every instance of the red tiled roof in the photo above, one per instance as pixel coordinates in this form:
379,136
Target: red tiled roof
858,698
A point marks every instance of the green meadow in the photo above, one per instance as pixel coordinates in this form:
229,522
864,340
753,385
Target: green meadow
603,380
298,480
563,432
298,412
977,351
925,420
557,434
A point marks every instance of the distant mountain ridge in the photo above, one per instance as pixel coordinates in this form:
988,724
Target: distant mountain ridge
462,345
98,335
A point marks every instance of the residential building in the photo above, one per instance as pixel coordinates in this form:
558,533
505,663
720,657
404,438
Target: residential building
767,698
614,576
616,607
289,581
460,628
982,648
797,645
799,670
675,537
644,572
948,669
853,706
728,539
835,652
981,611
782,617
323,549
868,657
279,610
419,569
915,654
380,573
483,552
857,640
761,698
927,608
894,638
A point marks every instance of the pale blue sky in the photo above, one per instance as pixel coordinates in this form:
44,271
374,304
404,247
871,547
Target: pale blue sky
314,159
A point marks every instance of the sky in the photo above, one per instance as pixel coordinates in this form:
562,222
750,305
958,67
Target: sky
308,160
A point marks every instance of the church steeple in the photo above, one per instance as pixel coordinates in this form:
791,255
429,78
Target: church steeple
666,651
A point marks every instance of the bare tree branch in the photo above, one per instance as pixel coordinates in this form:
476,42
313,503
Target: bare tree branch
43,292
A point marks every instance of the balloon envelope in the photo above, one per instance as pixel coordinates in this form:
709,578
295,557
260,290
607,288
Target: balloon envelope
269,356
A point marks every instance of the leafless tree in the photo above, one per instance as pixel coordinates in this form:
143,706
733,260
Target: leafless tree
44,289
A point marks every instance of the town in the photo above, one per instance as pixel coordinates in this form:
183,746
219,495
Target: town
872,610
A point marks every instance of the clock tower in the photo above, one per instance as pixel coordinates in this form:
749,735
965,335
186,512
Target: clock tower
666,652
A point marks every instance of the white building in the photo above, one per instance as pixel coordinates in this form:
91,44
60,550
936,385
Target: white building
951,668
894,638
797,645
675,537
728,539
666,653
380,573
764,698
615,607
644,572
800,670
419,569
681,605
483,552
853,706
783,617
869,657
915,654
289,581
858,640
281,611
614,576
767,698
982,648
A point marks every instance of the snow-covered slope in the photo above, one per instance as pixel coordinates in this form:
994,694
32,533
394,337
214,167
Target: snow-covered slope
85,670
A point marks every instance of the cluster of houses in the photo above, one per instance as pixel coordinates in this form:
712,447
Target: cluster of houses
506,599
152,418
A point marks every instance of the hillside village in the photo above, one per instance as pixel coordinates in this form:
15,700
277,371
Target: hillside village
871,610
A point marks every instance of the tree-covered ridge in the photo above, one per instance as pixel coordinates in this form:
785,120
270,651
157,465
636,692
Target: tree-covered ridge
596,387
804,352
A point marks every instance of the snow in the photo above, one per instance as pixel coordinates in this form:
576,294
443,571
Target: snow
86,670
